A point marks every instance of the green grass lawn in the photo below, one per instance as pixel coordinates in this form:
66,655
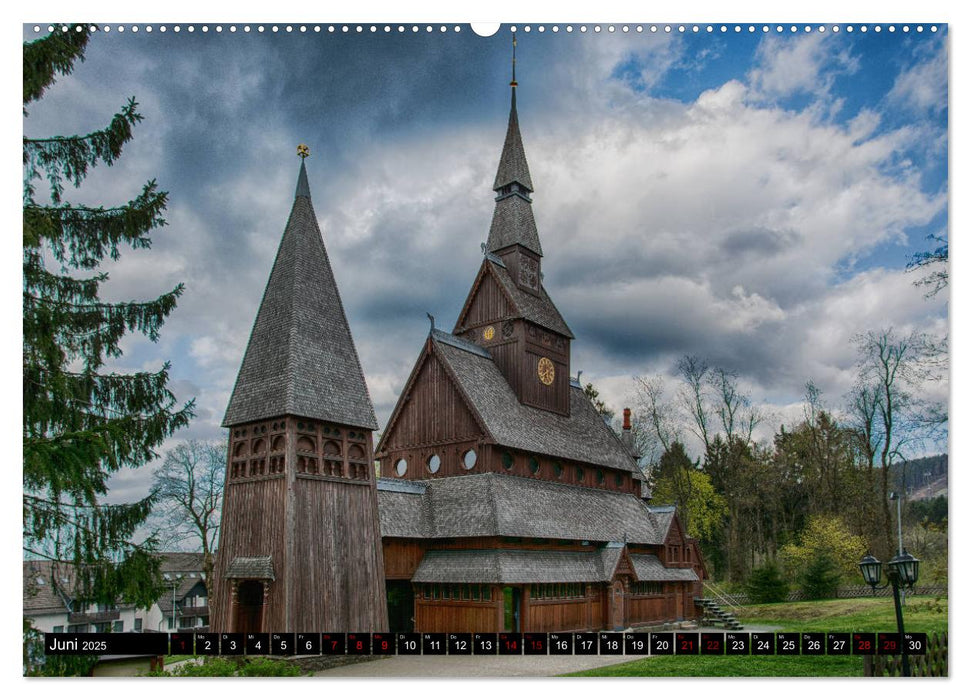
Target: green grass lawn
921,614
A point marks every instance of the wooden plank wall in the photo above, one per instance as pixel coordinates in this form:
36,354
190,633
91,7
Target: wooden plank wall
465,616
401,558
650,609
490,304
252,525
435,412
340,586
565,616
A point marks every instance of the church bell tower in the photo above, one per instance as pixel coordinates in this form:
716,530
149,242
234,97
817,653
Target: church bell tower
300,543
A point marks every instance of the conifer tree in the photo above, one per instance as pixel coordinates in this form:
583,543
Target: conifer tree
82,422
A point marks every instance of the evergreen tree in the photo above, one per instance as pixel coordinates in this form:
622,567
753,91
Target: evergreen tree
766,584
81,423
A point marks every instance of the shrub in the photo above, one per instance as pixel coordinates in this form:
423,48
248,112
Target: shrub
766,584
221,666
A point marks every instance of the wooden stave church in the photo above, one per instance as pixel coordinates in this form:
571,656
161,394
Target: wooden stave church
533,514
509,504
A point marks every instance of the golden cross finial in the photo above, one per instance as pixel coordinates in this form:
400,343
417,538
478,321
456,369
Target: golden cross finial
303,150
513,83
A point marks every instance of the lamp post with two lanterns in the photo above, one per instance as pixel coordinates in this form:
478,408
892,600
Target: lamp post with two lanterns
902,572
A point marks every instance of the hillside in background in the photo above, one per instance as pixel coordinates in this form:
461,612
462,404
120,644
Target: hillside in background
922,478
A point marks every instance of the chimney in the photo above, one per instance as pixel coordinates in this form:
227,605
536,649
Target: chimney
627,437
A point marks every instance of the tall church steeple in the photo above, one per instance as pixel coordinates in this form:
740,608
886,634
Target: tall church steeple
300,546
513,235
508,310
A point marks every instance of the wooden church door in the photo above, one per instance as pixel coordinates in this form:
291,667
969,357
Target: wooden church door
249,607
617,605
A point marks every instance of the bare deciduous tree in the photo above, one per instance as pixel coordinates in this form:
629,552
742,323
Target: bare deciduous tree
884,407
189,487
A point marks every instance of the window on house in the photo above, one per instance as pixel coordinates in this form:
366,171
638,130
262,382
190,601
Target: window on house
118,626
646,588
77,628
58,628
138,624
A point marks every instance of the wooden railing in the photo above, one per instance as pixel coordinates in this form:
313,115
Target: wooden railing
723,598
932,664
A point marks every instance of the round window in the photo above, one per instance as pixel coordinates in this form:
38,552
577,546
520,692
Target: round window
507,460
600,476
469,458
619,479
579,473
400,467
533,465
557,469
434,463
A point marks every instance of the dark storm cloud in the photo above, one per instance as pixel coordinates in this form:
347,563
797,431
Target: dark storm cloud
696,223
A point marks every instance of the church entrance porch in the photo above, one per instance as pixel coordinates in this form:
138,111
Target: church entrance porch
249,606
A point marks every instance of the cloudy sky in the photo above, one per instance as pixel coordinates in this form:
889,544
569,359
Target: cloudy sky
752,198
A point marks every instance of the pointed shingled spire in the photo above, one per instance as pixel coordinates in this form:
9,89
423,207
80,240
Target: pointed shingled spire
301,359
303,187
512,222
512,164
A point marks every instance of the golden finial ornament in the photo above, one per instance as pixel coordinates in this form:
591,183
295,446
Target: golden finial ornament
303,150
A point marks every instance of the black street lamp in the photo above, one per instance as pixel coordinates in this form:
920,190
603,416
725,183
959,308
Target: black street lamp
902,572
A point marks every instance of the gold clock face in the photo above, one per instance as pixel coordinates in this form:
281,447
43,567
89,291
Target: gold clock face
489,333
546,371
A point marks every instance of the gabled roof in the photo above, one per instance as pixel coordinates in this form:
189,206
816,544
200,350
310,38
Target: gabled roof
649,568
251,567
582,436
499,505
48,587
182,562
301,358
184,588
512,163
665,517
538,309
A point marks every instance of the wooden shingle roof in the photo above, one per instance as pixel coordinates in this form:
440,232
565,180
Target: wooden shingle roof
508,566
511,566
649,568
582,436
538,309
499,505
512,164
513,222
301,358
